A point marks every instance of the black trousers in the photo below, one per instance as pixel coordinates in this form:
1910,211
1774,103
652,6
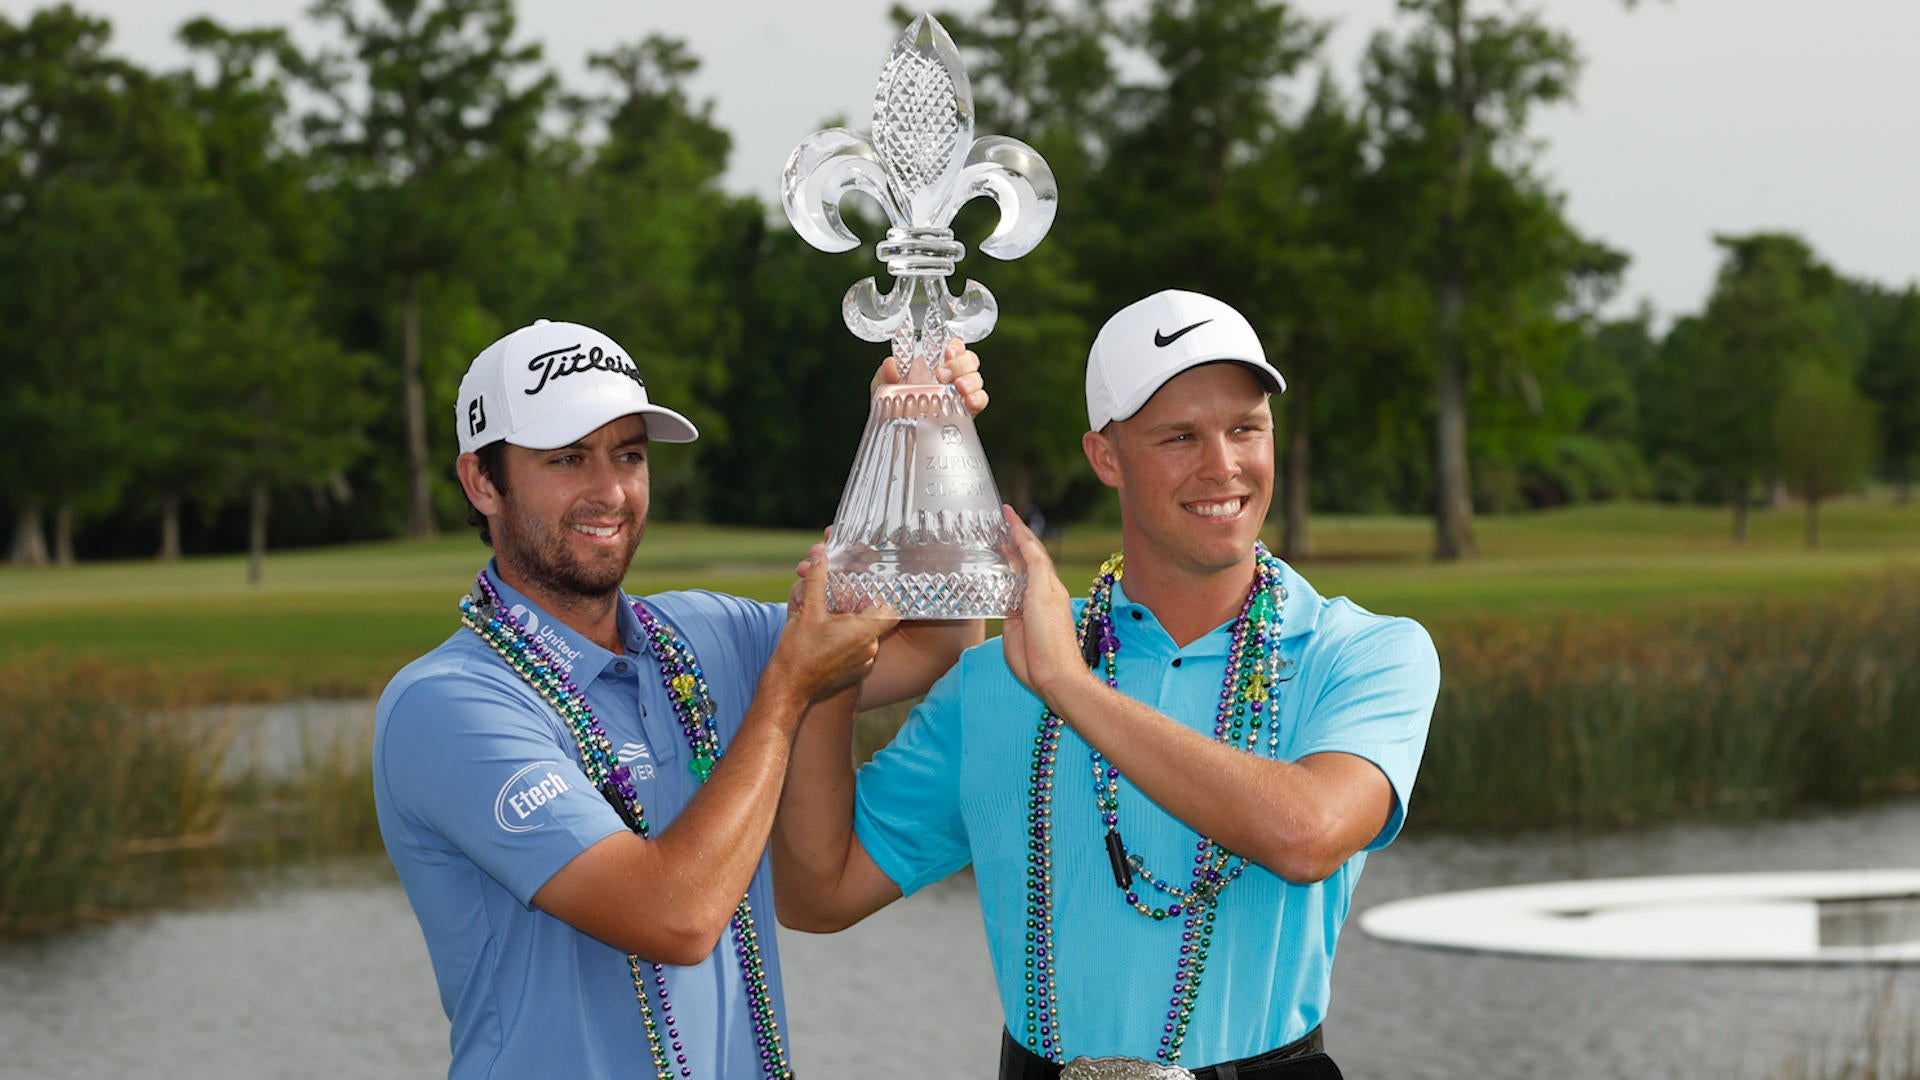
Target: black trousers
1302,1059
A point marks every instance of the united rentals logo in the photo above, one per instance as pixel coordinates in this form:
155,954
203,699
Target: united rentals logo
572,360
519,797
563,651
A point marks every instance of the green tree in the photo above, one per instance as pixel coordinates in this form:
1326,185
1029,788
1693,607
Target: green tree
1203,189
1222,61
1191,146
1891,378
289,407
1331,289
430,121
1772,312
1034,365
1452,100
249,228
261,399
90,146
1824,438
653,252
93,285
1589,416
799,388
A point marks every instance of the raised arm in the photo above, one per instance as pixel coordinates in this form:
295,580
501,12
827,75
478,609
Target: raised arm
823,878
1300,819
669,898
913,658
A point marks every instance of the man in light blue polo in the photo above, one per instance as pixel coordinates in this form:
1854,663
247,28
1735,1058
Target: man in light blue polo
576,787
1167,791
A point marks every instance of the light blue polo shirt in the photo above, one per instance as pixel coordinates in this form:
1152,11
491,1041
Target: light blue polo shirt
951,789
481,799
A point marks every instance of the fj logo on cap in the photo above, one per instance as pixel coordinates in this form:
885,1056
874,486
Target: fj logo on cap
476,416
572,360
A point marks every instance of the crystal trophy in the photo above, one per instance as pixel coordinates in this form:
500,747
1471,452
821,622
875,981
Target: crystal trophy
919,526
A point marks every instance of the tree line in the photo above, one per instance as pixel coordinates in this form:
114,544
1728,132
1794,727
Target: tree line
243,291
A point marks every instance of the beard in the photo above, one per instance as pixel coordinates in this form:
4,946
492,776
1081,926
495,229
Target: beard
541,556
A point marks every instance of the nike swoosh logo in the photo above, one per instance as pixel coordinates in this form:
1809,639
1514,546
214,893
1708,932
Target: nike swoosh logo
1164,340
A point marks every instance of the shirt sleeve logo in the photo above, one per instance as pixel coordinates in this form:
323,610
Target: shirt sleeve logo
525,793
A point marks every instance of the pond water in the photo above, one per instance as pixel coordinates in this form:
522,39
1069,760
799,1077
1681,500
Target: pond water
323,974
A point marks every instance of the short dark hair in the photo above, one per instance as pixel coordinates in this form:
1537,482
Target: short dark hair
493,466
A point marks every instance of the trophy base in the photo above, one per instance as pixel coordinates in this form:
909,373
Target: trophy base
919,527
980,594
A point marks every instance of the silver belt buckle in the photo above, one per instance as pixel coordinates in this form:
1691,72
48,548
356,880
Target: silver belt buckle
1121,1068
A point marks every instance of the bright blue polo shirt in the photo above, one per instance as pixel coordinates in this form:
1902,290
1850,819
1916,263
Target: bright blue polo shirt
952,789
481,799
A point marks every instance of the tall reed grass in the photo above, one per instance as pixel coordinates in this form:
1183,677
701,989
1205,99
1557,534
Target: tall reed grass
94,794
111,800
1887,1047
1739,708
1736,709
1876,1064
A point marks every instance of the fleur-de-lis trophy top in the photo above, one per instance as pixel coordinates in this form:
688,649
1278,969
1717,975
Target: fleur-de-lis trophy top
919,526
921,163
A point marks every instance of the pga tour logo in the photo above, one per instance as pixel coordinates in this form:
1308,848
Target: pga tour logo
525,793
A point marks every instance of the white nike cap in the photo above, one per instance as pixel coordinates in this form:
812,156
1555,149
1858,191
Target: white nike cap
549,384
1152,340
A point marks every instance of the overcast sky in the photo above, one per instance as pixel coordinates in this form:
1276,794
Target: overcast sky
1693,117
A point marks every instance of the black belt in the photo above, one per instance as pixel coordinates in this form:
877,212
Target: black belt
1302,1059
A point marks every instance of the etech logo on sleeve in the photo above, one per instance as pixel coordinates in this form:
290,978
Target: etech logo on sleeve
524,793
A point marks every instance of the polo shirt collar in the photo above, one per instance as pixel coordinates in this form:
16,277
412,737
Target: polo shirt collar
1299,613
579,657
1140,623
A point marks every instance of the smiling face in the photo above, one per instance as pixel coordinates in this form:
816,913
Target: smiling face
1194,469
567,521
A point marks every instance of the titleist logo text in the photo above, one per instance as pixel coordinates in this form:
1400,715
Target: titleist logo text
572,360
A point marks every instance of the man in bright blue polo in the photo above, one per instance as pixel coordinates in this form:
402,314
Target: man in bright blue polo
576,787
1168,791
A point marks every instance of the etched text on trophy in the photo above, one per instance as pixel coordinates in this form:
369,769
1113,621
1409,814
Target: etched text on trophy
955,463
959,489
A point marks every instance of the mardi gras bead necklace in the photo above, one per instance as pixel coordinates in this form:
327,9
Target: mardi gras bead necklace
482,612
1253,664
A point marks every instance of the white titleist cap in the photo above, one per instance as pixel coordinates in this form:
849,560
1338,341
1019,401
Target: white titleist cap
1152,340
547,385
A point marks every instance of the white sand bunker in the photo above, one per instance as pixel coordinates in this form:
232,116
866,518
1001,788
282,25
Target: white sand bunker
1846,917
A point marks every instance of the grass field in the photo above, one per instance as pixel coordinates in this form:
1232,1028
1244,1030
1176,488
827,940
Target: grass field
339,621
